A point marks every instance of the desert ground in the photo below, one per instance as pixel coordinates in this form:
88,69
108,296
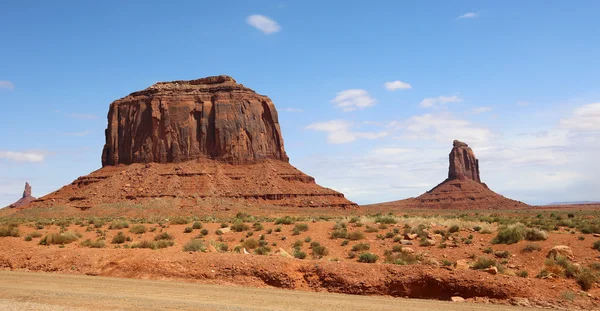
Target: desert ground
481,257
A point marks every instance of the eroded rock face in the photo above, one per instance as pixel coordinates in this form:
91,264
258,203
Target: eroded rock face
463,164
27,191
25,199
214,118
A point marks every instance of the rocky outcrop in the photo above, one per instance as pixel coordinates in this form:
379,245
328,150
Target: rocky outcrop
462,190
172,122
463,164
25,199
207,145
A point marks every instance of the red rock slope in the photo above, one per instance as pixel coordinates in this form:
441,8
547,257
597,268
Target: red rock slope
191,141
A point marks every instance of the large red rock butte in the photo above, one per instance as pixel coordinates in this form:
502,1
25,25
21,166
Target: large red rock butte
209,142
25,199
462,190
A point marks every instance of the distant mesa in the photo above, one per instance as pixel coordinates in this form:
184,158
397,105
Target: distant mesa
462,189
25,199
210,143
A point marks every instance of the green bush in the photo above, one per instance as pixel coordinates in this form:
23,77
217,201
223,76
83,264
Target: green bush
28,238
339,234
361,247
367,258
163,236
531,247
299,254
523,273
301,227
484,263
596,245
287,220
454,229
59,238
92,244
354,219
138,229
502,254
586,278
262,250
345,242
257,226
153,244
510,235
118,224
297,244
535,235
385,220
250,244
239,227
195,246
120,238
9,231
179,220
188,230
355,236
204,231
318,250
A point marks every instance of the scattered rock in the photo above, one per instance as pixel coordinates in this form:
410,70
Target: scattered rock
457,299
462,264
283,253
561,250
491,270
406,242
408,250
410,236
597,235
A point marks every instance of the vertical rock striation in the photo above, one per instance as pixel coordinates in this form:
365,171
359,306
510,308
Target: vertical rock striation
463,164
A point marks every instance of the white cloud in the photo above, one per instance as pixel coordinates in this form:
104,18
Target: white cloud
263,23
479,110
83,116
28,156
443,127
341,131
353,99
397,85
468,15
291,109
4,84
435,101
584,118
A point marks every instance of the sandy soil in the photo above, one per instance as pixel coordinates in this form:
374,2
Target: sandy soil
41,291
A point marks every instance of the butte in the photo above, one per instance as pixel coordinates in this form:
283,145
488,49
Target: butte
462,190
25,199
209,143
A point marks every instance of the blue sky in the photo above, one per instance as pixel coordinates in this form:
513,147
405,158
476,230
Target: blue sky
517,80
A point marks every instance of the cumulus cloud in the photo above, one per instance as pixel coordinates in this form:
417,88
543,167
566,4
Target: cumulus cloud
28,156
479,110
442,127
468,15
263,23
435,101
4,84
584,118
291,109
397,85
353,99
342,131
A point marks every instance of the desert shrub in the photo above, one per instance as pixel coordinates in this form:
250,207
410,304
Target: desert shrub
269,231
297,244
370,229
299,254
287,220
596,245
535,235
568,295
368,258
62,222
484,263
318,250
250,244
179,220
120,238
204,232
118,224
510,235
59,238
355,236
477,228
454,229
361,247
301,227
153,244
447,263
488,250
278,229
345,242
239,226
339,234
502,254
28,238
163,236
197,225
257,226
586,278
389,235
531,247
138,229
224,225
9,231
98,223
385,220
354,219
92,244
188,230
262,250
307,239
221,247
425,242
194,245
523,273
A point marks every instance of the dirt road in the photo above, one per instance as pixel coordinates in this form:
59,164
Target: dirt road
44,291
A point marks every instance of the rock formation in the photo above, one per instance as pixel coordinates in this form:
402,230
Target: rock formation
462,190
213,118
25,199
209,142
